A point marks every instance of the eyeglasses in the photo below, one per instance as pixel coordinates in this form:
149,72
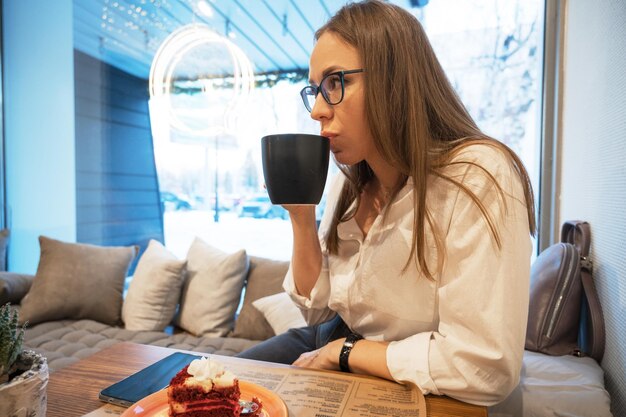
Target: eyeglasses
332,88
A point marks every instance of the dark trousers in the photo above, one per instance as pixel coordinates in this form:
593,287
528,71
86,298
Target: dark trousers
287,347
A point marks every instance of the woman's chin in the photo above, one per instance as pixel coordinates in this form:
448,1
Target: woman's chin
342,158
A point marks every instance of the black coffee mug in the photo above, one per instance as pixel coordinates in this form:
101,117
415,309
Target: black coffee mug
295,166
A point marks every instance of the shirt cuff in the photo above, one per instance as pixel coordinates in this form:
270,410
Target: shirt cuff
319,293
407,361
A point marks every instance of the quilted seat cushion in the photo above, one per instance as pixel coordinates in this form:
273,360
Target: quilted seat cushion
64,342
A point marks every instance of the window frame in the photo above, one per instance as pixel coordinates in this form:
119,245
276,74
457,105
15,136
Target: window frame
3,209
549,178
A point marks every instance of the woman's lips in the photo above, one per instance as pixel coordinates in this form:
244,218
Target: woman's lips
331,136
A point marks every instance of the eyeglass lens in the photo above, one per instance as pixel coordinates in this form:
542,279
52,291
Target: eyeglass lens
331,89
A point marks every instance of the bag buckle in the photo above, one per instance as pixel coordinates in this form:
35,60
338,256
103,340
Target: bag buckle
586,263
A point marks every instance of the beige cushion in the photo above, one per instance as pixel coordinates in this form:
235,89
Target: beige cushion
13,287
265,278
77,281
280,312
154,291
212,289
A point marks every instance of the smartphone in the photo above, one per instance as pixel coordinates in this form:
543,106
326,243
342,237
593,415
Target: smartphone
147,381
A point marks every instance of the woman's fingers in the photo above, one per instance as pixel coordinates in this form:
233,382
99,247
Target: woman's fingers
308,359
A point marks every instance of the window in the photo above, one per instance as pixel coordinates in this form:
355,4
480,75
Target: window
491,51
135,181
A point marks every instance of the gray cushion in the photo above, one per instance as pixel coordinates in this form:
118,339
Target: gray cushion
64,342
13,287
4,243
265,278
77,281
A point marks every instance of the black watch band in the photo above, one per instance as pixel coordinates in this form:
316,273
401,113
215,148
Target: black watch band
348,344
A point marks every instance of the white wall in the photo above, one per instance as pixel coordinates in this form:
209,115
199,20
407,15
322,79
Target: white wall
39,126
593,152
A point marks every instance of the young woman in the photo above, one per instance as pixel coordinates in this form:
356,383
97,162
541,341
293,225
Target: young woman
419,271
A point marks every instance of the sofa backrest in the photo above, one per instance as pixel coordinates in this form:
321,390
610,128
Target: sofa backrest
265,277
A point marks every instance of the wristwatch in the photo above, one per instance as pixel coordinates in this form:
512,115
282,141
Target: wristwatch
345,350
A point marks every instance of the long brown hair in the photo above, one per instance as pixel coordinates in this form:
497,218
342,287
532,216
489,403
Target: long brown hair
416,119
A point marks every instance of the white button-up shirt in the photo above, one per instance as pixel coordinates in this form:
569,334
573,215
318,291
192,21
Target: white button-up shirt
461,334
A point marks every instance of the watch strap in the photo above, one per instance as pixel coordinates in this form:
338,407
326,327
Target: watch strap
348,344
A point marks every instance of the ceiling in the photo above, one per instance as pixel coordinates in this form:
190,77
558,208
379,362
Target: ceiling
276,35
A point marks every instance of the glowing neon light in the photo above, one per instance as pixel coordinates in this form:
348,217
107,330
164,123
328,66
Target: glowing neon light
175,47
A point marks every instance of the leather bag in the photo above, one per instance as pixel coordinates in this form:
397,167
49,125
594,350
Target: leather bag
565,316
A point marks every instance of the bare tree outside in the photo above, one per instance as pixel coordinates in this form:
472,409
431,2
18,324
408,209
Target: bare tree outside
496,70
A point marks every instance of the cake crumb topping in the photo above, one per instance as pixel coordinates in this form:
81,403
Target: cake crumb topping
204,369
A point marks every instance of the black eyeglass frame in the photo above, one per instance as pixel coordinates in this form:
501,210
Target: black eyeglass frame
318,89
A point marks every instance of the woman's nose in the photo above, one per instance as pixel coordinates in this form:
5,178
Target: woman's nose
321,109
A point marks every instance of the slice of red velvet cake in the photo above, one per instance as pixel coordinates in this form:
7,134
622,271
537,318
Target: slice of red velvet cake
204,389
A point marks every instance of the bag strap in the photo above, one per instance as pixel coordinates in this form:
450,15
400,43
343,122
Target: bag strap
578,233
591,334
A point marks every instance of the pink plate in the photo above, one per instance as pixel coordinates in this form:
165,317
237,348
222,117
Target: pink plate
155,405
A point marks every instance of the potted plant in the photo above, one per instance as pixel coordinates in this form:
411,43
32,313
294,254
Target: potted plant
23,373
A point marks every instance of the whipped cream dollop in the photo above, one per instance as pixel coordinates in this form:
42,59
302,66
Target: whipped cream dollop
204,369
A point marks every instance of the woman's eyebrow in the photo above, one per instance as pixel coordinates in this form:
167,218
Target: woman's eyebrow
332,68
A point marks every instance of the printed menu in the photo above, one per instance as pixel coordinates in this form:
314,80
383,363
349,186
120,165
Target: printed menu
314,393
311,393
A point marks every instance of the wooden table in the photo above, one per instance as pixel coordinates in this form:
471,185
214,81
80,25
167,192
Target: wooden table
73,390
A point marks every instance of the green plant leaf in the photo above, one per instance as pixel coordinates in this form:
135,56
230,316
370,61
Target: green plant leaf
11,338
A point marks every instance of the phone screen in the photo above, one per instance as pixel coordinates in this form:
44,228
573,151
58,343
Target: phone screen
147,381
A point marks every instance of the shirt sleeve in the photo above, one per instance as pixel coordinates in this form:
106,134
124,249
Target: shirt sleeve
475,354
315,309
